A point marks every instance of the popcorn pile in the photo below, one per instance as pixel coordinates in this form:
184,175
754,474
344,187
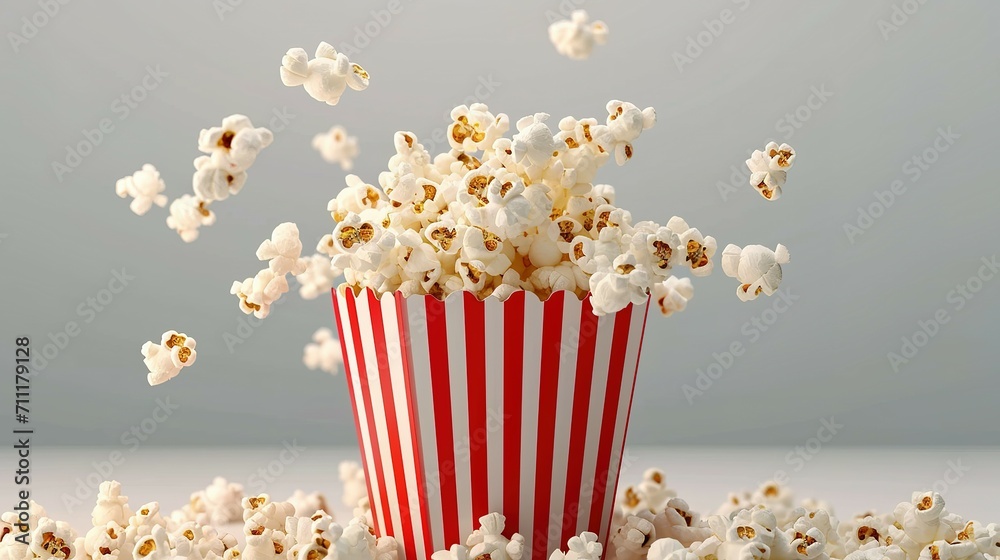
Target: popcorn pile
335,146
282,251
145,187
326,76
495,215
324,352
166,359
232,148
576,37
769,169
651,523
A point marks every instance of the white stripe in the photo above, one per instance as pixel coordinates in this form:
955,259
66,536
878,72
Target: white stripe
362,419
378,412
458,371
568,348
631,355
598,388
394,352
416,313
532,327
494,401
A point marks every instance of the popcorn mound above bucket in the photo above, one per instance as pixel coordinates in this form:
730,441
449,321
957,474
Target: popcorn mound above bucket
651,523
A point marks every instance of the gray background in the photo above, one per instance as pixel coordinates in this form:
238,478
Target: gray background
826,356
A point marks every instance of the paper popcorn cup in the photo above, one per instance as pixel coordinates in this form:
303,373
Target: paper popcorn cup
465,407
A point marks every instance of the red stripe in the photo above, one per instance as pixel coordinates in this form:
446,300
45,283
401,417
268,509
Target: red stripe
513,374
366,394
548,393
475,355
628,415
437,343
411,405
354,404
388,406
616,367
581,409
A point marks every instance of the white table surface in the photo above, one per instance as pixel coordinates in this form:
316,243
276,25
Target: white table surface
852,480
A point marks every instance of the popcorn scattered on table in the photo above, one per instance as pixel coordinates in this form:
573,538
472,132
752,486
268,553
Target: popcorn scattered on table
166,359
326,76
769,169
495,215
576,37
317,278
335,146
768,526
283,254
756,267
145,187
324,352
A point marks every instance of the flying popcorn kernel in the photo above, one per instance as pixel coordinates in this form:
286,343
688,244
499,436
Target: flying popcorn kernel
234,145
673,294
326,76
256,294
187,214
757,268
282,250
335,146
145,187
317,278
769,169
576,37
212,182
166,359
324,352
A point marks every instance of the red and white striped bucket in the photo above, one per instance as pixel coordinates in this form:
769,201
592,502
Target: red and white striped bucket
465,407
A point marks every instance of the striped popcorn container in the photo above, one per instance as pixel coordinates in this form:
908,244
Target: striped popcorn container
466,407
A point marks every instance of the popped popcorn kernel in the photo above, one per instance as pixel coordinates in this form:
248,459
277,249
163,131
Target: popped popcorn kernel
324,77
576,37
145,187
336,146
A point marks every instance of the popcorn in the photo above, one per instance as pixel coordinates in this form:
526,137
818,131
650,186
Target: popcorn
577,36
324,353
111,506
234,145
756,267
317,277
673,294
145,187
222,501
307,504
53,539
335,146
187,214
583,547
211,182
282,251
165,360
651,494
631,540
257,293
495,215
352,477
677,521
625,123
326,76
769,169
488,538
